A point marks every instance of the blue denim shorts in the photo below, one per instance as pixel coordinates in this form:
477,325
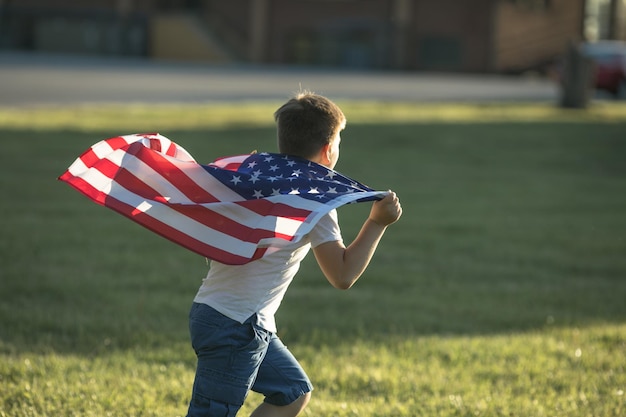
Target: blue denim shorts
234,358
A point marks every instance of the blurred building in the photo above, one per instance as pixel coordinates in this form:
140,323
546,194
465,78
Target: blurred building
437,35
605,19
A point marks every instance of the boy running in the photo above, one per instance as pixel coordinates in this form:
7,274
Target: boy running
232,325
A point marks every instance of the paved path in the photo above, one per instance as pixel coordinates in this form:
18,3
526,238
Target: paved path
35,79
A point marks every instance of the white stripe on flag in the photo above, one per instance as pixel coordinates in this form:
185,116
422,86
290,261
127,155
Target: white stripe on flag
163,213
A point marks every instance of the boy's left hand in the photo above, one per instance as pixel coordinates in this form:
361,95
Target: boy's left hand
386,211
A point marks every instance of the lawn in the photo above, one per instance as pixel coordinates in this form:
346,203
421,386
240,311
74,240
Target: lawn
500,292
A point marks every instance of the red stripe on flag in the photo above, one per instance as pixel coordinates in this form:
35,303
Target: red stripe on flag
135,185
89,157
171,150
172,173
116,142
232,166
175,235
155,144
230,163
84,187
107,168
268,208
149,222
216,221
258,254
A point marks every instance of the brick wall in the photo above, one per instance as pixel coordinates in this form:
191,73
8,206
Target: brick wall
230,22
335,33
451,35
442,35
525,37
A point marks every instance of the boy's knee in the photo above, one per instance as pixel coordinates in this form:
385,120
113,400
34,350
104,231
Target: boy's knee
305,398
290,410
301,402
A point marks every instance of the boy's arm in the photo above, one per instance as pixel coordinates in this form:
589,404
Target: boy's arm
343,266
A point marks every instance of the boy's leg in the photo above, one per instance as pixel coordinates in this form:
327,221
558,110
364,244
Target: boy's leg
229,355
291,410
282,380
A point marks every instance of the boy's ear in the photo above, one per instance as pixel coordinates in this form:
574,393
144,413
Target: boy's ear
325,154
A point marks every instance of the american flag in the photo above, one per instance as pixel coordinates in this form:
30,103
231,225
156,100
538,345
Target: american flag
233,210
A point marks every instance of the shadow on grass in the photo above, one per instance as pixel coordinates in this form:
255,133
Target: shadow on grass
506,228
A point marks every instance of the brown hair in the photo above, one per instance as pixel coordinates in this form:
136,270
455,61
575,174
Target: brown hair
306,123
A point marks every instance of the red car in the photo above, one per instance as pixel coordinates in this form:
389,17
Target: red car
609,58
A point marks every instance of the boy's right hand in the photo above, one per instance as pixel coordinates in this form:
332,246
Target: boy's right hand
386,211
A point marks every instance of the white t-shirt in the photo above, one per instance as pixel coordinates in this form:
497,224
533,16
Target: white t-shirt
239,291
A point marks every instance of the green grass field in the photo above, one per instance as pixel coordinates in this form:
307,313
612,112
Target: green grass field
500,292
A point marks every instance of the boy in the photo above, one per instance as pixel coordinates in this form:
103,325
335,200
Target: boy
232,318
